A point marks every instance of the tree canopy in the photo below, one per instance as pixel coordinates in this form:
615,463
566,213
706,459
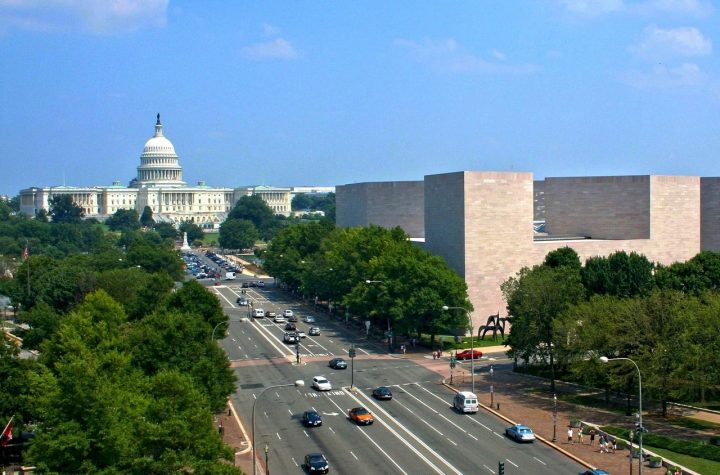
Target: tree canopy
64,210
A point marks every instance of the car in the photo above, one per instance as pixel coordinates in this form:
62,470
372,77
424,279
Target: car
314,331
292,318
361,416
290,327
338,363
258,313
278,318
290,337
309,319
245,285
260,283
242,301
597,471
288,313
520,433
316,463
382,393
311,419
321,383
272,314
300,334
469,355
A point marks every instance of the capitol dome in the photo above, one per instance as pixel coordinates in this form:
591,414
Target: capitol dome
159,164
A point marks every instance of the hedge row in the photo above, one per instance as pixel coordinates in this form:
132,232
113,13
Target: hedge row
686,447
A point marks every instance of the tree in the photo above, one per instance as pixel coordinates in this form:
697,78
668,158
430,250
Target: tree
123,220
536,298
146,219
138,291
237,234
194,232
155,258
301,201
166,231
64,210
620,274
5,210
565,256
42,216
252,208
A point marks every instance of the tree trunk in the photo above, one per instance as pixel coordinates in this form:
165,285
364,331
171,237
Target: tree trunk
552,372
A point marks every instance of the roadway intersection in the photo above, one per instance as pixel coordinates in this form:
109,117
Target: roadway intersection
418,431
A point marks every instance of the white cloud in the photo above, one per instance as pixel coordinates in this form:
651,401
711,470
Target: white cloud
270,30
92,16
279,48
499,55
447,56
658,43
591,8
663,77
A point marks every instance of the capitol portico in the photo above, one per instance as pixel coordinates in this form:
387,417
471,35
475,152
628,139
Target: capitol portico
158,185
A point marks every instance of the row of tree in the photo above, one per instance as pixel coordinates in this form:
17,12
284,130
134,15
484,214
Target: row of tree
665,318
315,202
128,377
374,273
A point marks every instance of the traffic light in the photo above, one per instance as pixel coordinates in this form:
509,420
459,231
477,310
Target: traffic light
351,353
501,468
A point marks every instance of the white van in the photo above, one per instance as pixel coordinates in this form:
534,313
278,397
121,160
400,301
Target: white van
229,275
259,313
465,401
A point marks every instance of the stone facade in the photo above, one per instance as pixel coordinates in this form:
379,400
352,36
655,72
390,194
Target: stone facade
481,223
386,204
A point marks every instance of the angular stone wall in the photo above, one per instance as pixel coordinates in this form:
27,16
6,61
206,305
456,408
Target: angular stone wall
710,213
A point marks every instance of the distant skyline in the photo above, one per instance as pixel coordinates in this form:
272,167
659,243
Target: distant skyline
290,93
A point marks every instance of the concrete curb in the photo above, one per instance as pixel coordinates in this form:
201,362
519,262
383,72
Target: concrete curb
540,438
242,429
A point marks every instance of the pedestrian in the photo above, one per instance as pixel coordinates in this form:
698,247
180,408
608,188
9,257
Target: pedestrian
434,354
603,444
580,435
402,349
570,435
592,437
614,445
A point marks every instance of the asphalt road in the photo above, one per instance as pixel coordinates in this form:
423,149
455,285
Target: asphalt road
417,432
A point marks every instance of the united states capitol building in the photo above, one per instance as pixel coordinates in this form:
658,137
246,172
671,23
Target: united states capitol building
159,185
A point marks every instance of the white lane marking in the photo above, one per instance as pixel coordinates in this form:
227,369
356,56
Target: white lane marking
470,435
254,396
351,453
239,347
376,444
502,436
265,413
277,395
247,356
539,460
489,469
217,291
293,461
363,351
451,422
409,433
420,417
290,412
448,438
331,430
318,344
512,463
306,434
262,332
484,425
278,435
234,340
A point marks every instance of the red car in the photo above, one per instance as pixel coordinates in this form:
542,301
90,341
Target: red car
469,355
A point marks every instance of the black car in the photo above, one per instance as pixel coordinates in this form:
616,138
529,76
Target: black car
311,419
290,327
316,463
382,393
292,318
338,363
245,285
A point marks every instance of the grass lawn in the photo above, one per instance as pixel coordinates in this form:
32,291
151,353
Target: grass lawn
693,463
692,423
210,239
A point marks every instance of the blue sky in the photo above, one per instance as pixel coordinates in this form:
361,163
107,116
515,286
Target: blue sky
330,92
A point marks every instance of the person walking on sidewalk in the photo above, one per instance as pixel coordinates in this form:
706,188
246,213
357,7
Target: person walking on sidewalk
592,437
580,435
570,435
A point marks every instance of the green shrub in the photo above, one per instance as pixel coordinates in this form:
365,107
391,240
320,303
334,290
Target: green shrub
686,447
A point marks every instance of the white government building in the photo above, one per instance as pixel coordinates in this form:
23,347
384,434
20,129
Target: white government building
159,184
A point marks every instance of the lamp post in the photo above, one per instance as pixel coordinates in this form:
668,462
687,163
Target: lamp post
212,336
267,467
492,389
298,384
640,428
472,345
554,439
389,331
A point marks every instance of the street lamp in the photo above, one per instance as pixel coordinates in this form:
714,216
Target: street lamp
640,428
267,467
554,439
389,331
298,384
212,337
472,344
492,389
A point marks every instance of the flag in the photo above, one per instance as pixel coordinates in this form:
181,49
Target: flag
26,253
6,435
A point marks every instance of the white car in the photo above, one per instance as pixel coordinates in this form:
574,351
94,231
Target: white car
288,313
300,334
309,319
279,319
289,338
321,383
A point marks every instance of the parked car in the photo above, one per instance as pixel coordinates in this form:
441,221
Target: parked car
338,363
260,283
469,355
597,471
314,331
316,463
311,419
321,383
520,433
361,416
309,319
382,393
